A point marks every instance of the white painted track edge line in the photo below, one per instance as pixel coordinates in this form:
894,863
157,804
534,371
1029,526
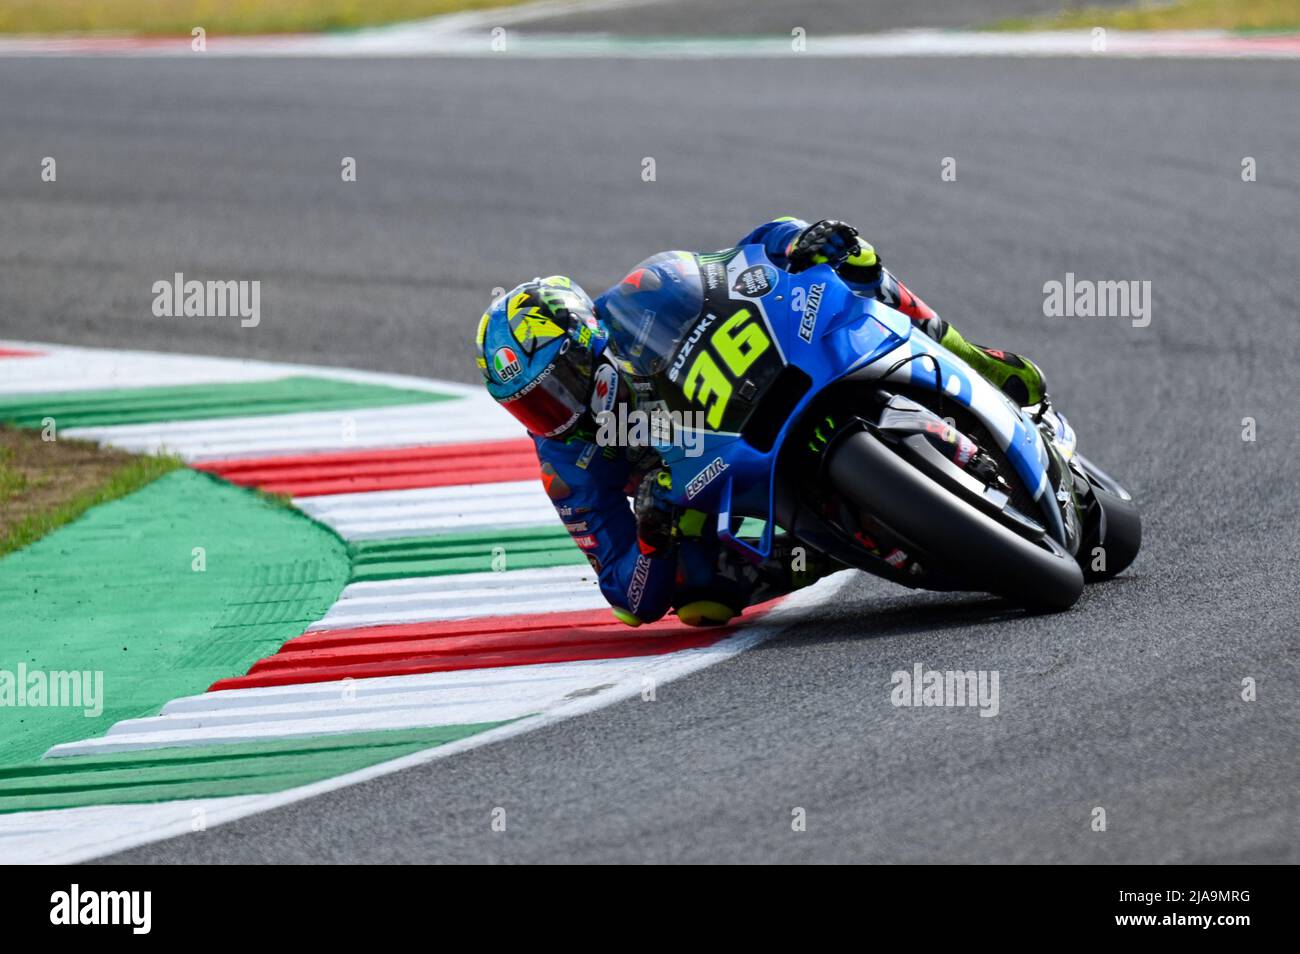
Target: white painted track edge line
412,382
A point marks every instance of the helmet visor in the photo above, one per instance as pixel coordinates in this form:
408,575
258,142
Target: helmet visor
557,398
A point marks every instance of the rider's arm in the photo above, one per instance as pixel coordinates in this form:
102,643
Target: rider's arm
862,271
897,295
587,489
775,237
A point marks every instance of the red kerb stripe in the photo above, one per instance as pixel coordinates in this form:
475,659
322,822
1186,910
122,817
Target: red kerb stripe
403,468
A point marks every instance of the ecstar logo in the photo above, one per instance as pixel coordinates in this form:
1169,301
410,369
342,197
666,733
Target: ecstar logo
640,576
705,477
814,303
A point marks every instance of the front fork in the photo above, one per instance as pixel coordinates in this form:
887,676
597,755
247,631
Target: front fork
1072,489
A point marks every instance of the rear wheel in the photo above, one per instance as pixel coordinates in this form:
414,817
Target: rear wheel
963,541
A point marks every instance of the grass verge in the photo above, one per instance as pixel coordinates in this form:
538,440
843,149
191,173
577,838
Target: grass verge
1243,16
45,484
179,17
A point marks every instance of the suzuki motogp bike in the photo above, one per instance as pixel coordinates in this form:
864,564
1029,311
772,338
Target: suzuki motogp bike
824,413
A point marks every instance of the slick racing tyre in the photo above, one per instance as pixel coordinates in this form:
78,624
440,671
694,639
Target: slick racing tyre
950,533
1113,539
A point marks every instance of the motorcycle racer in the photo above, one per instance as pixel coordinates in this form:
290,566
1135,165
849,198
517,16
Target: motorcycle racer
543,349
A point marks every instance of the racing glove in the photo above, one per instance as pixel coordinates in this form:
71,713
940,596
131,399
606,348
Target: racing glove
656,517
839,245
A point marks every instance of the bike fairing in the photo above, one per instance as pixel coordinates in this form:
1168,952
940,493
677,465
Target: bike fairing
753,327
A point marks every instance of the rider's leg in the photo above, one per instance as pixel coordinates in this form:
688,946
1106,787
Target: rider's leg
714,583
1017,376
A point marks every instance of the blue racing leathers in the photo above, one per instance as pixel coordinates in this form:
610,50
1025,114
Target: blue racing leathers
589,486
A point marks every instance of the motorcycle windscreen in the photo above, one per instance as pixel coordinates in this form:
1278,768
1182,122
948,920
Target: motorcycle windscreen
709,354
652,309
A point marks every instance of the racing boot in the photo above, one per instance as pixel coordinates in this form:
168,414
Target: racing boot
705,596
716,584
705,613
1017,376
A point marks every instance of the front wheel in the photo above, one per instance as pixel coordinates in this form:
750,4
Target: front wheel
950,533
1114,536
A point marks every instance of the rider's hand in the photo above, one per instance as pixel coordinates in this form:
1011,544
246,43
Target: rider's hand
656,517
825,242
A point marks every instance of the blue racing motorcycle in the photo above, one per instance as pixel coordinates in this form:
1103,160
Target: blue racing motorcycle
821,412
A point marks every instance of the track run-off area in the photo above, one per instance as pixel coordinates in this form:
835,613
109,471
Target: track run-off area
445,609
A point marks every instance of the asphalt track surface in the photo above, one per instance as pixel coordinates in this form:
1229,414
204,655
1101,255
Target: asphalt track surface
477,173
